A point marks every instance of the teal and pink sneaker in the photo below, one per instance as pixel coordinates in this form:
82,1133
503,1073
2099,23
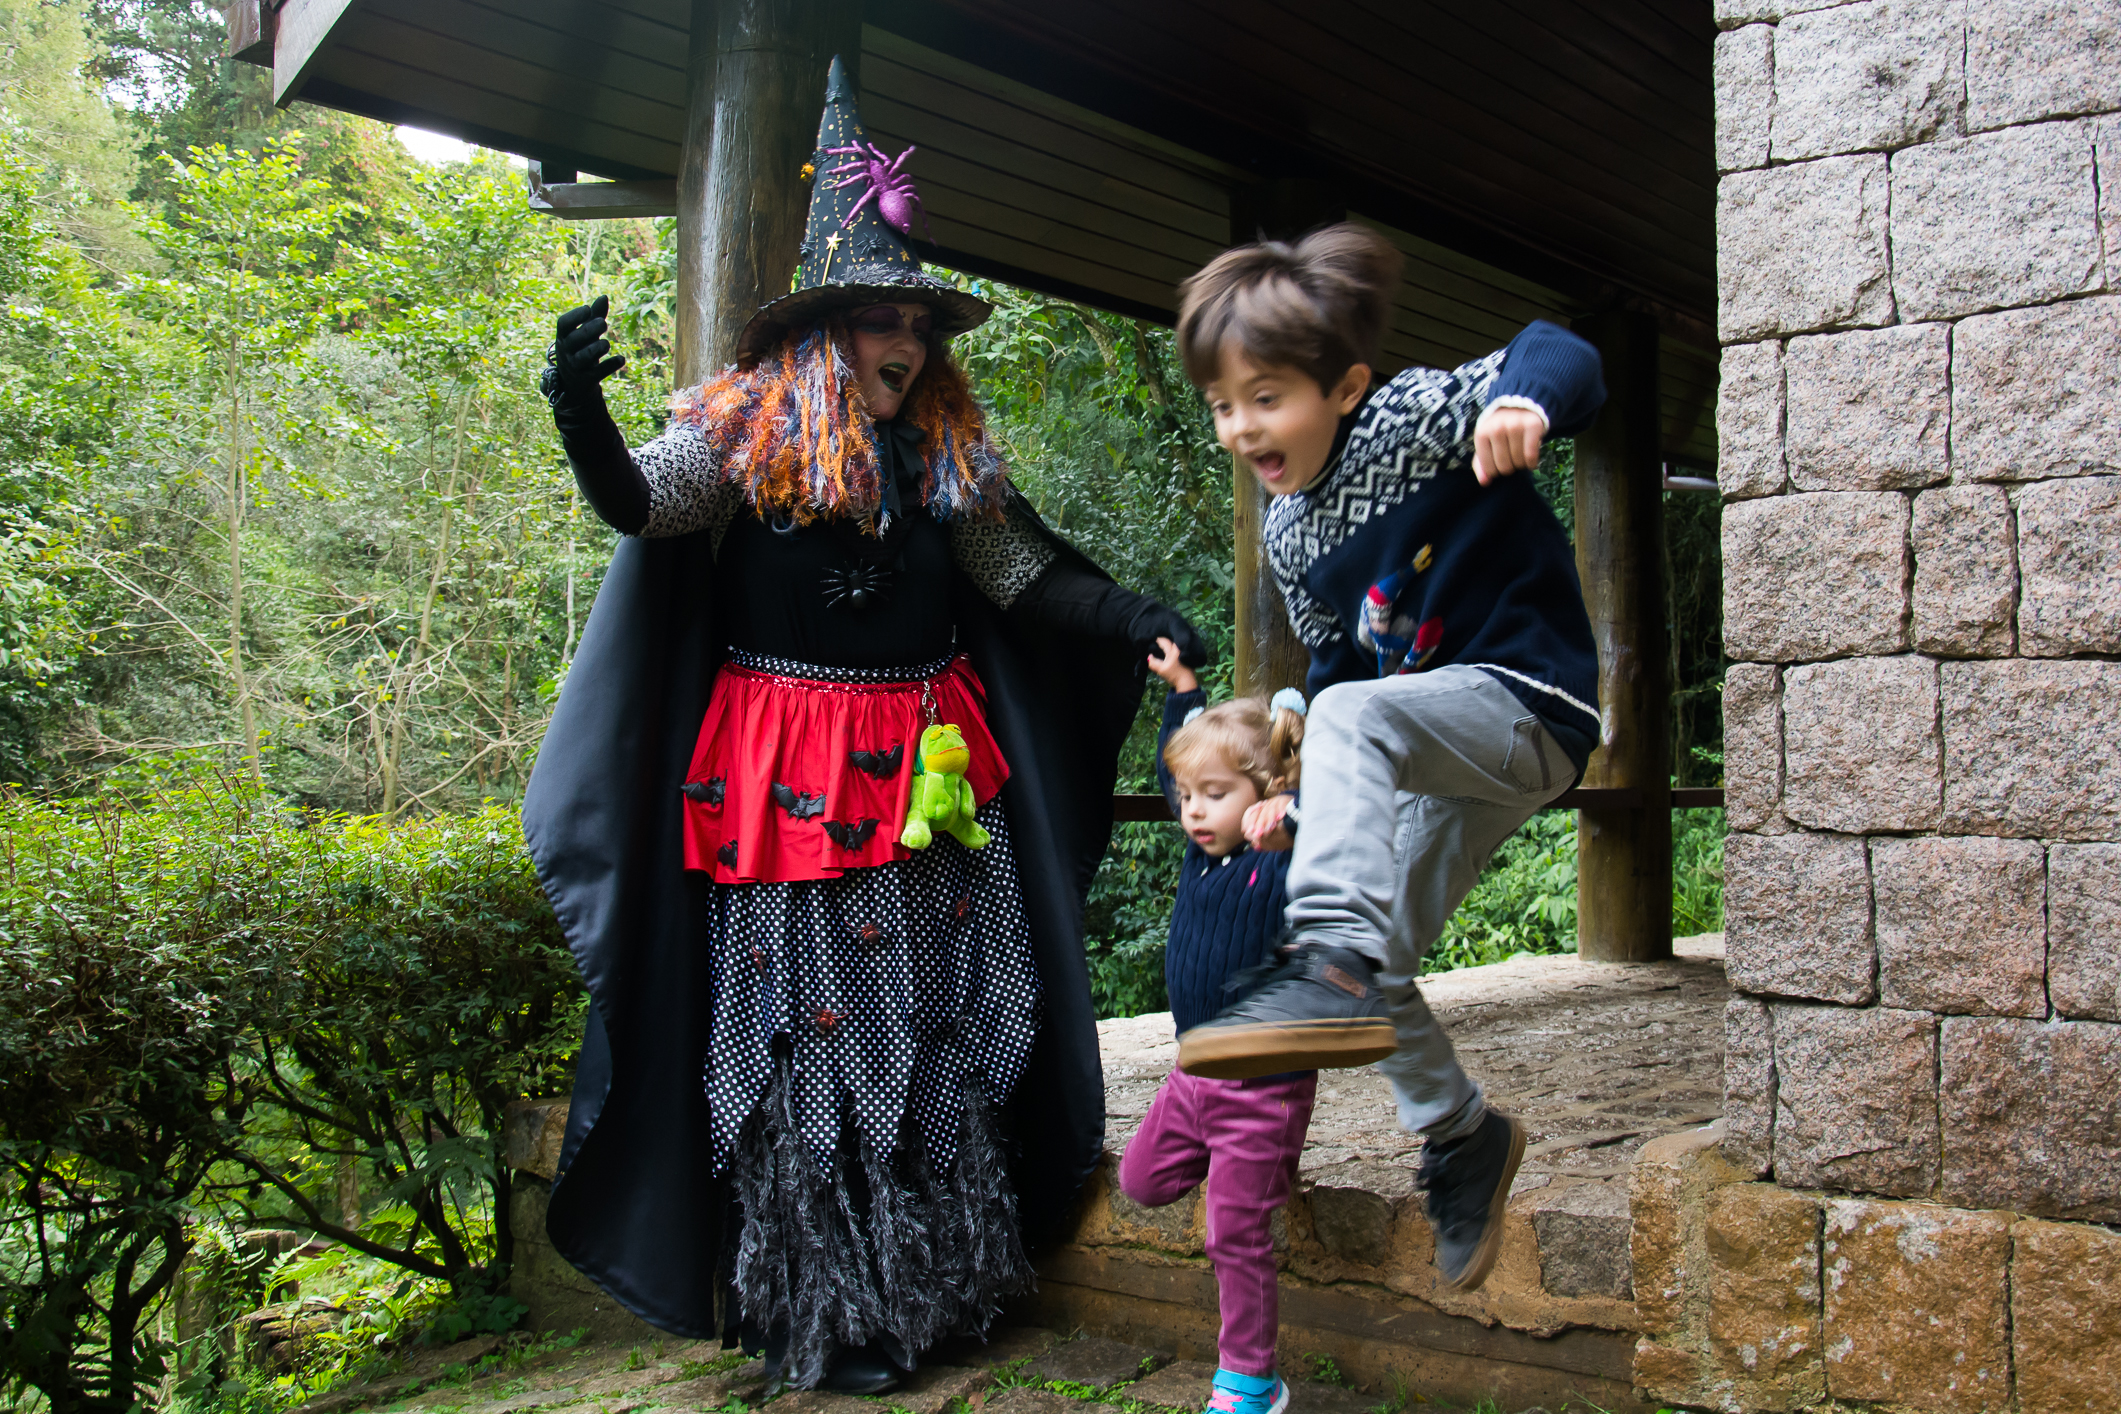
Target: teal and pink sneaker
1248,1394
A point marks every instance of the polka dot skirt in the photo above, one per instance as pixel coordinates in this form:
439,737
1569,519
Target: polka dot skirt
893,985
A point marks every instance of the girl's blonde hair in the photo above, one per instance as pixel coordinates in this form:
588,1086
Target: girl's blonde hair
1258,742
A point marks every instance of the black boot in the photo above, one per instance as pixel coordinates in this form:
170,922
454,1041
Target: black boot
863,1370
775,1348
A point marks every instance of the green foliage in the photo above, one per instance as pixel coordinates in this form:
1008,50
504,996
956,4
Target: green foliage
1115,449
1525,901
207,1003
133,963
1117,452
1127,918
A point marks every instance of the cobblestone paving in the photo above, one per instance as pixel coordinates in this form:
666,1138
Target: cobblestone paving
1019,1371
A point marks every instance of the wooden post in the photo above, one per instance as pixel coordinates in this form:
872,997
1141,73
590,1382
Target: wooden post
1624,856
1269,654
755,84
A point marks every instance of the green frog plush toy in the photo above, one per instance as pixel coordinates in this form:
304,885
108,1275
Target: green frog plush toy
942,797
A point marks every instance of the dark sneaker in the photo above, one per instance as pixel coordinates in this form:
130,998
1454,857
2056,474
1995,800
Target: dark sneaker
1319,1010
1468,1183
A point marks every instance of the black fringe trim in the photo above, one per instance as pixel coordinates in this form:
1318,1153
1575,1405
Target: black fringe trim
875,1246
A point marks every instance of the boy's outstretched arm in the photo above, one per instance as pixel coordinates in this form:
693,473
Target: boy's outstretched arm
1551,383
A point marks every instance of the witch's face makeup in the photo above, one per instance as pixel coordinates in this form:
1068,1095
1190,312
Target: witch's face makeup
889,352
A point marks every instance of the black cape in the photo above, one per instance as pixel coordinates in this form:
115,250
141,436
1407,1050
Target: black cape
636,1208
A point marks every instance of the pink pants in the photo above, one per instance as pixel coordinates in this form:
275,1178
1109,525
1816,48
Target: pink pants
1243,1136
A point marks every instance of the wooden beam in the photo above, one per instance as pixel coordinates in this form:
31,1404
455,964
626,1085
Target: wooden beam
1269,654
1154,809
250,31
1624,854
693,313
603,201
741,210
301,31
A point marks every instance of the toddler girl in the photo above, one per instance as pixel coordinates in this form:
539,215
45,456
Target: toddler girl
1243,1136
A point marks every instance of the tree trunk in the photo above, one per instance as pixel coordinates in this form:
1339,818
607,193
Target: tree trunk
235,490
410,657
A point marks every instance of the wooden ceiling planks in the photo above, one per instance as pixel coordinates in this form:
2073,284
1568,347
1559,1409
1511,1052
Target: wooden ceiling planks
1022,186
1572,138
1263,99
527,71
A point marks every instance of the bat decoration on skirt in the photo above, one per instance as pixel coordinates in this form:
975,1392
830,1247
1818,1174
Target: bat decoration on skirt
880,765
851,834
800,805
707,792
727,854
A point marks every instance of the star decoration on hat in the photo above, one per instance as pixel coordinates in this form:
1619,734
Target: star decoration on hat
863,211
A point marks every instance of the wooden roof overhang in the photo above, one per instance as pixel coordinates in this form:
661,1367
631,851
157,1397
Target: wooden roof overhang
1533,158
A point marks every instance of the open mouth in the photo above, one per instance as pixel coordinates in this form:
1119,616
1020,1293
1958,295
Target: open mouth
1270,465
893,376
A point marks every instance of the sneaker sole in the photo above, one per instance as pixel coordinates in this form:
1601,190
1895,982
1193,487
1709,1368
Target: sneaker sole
1242,1052
1490,1246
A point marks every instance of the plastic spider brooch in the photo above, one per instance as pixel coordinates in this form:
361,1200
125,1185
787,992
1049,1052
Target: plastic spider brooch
896,200
857,586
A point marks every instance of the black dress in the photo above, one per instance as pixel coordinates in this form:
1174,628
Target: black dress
859,1039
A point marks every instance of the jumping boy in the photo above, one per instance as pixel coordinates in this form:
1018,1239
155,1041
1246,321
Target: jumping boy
1453,674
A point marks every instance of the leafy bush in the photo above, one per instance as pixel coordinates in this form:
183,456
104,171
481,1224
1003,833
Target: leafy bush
210,1006
1525,901
1128,918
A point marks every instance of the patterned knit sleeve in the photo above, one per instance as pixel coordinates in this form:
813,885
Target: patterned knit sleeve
1425,415
1003,560
684,491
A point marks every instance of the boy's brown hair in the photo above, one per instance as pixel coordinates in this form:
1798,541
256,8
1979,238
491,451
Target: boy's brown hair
1320,305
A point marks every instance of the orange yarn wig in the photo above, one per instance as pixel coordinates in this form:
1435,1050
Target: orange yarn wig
794,431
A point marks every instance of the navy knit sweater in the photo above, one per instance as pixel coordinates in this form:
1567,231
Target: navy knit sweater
1396,559
1228,914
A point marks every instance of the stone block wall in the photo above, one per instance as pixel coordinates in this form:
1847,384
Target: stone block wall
1920,286
1759,1296
1919,266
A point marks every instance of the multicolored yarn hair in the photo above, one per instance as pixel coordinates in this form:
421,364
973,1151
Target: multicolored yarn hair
794,431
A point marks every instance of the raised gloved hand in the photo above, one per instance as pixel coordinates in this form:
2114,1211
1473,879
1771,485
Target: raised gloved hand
581,359
579,362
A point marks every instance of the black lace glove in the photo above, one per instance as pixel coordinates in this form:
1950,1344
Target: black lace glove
1068,598
576,369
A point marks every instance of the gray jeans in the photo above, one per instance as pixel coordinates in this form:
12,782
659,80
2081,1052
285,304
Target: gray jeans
1409,784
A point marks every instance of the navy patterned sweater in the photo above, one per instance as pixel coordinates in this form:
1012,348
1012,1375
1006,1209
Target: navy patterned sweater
1228,914
1396,560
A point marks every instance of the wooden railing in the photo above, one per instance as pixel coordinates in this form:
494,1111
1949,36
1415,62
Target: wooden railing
1127,808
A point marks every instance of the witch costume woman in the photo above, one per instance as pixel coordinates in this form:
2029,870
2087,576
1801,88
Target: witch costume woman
817,810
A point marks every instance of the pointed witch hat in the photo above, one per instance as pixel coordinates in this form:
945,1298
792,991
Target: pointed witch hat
854,253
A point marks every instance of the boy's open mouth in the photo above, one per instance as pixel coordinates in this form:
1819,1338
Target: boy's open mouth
1270,465
893,376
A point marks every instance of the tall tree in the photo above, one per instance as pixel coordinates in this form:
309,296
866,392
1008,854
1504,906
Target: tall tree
244,294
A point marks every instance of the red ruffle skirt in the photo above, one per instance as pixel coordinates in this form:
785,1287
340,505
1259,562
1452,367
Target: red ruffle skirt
794,778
